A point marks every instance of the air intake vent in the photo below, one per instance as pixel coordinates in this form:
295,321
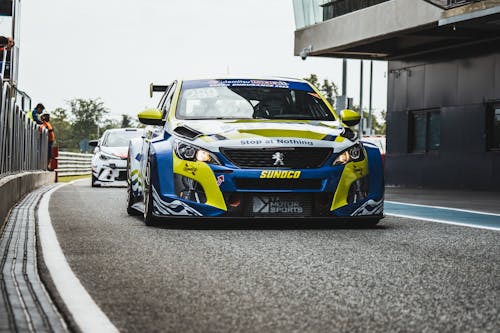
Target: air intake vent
186,132
282,158
278,184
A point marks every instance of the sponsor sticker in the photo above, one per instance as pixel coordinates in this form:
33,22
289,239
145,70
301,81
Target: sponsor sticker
276,205
201,93
190,169
282,174
249,83
220,180
259,142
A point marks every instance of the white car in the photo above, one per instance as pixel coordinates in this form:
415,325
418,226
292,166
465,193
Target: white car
377,140
109,164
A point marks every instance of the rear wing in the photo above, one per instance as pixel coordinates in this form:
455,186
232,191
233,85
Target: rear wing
156,88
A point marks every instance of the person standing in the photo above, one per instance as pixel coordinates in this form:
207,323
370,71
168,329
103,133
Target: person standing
35,114
6,43
45,118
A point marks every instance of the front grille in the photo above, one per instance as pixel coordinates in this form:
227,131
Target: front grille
293,158
277,184
122,175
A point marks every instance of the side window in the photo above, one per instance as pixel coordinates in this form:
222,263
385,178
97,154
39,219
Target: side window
493,126
425,131
165,108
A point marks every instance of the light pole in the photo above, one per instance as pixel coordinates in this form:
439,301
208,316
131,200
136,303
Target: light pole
361,100
370,124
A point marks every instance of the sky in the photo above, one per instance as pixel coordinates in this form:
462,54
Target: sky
113,49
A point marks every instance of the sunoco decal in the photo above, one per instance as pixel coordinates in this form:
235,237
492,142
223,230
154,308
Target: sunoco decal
285,174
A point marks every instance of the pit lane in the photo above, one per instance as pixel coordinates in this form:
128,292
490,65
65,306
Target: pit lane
404,275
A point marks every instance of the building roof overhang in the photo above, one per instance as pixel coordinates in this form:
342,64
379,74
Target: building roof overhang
408,28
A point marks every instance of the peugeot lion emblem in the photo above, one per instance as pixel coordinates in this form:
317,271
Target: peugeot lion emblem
278,158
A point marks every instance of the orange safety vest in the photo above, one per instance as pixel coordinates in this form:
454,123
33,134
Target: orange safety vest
48,126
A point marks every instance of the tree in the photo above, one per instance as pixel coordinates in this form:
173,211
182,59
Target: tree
109,124
312,79
378,123
328,88
126,121
87,114
62,128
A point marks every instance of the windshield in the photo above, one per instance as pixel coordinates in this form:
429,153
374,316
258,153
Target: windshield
250,99
120,138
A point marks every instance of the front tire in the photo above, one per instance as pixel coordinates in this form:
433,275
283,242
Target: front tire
149,218
130,201
94,180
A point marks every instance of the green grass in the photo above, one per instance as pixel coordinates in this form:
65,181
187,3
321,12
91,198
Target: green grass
67,179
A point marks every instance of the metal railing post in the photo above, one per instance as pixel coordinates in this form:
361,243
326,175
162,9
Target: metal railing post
23,146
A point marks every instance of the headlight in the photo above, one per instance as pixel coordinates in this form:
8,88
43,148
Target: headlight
352,154
105,156
189,152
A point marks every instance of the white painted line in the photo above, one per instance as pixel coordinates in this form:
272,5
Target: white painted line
441,207
87,315
443,221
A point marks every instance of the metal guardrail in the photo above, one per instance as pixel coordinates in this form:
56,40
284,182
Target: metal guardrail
73,164
23,146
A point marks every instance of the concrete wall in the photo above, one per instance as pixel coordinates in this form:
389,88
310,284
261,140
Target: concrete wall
368,24
461,89
14,187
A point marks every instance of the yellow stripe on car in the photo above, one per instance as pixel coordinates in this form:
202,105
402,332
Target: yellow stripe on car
202,173
284,133
352,172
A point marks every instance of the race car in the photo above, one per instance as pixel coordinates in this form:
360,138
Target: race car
109,163
252,148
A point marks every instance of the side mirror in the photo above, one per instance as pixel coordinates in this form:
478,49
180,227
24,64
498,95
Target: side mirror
93,143
151,117
350,117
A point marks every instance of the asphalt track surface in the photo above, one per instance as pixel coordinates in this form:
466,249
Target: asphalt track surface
402,276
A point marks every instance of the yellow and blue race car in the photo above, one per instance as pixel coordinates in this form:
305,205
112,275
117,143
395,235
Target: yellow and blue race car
256,148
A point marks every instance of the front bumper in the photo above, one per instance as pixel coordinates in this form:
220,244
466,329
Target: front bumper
111,171
198,189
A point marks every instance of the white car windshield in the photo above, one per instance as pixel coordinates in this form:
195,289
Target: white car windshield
251,99
120,138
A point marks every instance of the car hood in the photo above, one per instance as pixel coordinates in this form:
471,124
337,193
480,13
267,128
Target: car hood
214,134
121,152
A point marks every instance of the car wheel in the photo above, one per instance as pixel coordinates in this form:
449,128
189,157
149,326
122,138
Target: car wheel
149,218
94,180
130,202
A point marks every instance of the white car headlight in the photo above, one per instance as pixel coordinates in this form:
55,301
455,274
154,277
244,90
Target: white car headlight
105,156
351,154
189,152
